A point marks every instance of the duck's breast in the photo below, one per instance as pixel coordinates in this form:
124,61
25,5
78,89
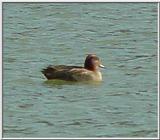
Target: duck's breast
86,75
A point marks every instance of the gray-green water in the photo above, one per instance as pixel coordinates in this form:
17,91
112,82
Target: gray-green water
123,35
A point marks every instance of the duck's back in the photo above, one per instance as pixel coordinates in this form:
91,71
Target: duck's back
69,73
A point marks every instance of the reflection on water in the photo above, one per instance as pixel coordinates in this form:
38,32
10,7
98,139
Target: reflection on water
123,35
53,83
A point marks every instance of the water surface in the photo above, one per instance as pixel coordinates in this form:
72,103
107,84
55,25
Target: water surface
123,35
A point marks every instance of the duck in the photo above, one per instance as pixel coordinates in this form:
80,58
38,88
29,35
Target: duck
89,72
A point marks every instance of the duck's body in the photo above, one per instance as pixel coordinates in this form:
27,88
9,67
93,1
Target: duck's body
89,72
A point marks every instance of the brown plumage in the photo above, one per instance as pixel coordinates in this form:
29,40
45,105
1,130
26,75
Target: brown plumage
90,71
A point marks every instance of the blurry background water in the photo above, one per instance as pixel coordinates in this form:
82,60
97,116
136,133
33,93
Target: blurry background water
123,35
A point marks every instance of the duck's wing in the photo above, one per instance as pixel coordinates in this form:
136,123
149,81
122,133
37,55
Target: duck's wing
60,72
81,74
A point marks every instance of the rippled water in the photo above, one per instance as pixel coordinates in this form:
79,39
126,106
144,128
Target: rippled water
123,35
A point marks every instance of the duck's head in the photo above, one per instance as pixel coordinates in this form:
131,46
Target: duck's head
92,63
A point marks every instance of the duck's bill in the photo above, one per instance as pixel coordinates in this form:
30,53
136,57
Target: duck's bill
101,66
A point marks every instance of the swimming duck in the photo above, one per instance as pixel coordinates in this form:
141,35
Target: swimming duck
90,71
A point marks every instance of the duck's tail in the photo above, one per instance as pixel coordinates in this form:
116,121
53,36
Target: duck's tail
48,72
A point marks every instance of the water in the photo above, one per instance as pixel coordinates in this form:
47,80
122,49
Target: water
123,35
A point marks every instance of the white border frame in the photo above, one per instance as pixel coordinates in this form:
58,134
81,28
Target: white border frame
1,72
81,1
123,1
158,67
